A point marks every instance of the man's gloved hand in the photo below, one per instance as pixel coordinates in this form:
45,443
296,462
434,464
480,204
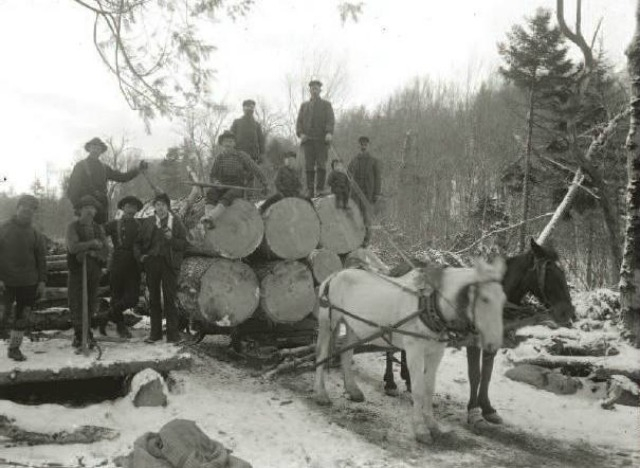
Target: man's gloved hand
143,166
328,138
96,244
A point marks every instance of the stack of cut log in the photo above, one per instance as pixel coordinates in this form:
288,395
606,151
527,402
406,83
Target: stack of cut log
265,266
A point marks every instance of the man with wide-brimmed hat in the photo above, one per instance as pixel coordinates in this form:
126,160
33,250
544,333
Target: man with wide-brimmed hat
86,241
160,248
248,132
231,167
124,276
23,271
314,127
90,176
365,172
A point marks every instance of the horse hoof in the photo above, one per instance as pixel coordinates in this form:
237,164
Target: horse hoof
392,392
475,419
357,397
424,437
493,418
322,400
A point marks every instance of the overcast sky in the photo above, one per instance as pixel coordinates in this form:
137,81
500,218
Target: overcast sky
55,93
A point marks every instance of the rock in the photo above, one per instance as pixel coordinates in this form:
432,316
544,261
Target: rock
148,389
545,379
621,390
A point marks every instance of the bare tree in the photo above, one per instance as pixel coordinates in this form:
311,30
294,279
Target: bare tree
121,157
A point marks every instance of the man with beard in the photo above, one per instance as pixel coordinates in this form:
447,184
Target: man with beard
248,132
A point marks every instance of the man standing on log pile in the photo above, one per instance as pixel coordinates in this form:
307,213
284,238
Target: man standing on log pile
231,167
160,248
365,172
125,271
89,177
23,271
314,127
248,132
86,240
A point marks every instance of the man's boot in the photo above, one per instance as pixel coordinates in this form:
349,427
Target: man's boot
15,340
311,175
321,175
211,214
123,330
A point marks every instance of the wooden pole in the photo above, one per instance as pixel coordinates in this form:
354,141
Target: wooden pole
85,308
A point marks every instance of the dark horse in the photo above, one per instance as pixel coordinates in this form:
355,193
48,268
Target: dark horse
535,271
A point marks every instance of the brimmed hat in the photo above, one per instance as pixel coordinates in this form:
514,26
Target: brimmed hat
226,134
88,200
163,197
315,83
131,200
95,142
28,200
363,138
248,102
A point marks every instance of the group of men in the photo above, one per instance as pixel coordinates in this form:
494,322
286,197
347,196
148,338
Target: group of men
156,244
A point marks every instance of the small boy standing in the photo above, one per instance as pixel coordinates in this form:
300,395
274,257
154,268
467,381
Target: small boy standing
339,183
287,182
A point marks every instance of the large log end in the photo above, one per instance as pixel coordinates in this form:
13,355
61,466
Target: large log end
291,228
340,230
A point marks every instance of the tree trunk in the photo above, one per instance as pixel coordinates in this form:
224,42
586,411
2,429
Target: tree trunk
217,291
291,229
527,168
323,262
286,290
340,230
630,270
562,208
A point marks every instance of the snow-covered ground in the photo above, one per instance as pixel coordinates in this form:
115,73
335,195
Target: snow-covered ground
276,424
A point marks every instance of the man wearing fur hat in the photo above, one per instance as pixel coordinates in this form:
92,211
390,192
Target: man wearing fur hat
90,176
160,248
125,271
23,271
86,241
231,167
248,132
314,127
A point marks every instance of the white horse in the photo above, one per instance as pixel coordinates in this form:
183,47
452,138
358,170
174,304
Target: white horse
472,297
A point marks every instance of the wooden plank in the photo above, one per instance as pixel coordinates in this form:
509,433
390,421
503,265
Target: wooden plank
55,360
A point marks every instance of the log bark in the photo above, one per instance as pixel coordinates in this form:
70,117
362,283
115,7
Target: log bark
291,229
286,290
57,265
340,230
218,291
323,262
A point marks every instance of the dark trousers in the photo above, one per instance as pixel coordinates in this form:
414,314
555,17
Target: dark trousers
74,293
316,153
161,277
342,198
24,297
125,284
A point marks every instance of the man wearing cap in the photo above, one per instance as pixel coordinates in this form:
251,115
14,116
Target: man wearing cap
160,248
23,271
86,241
364,169
90,176
125,271
314,127
231,167
248,132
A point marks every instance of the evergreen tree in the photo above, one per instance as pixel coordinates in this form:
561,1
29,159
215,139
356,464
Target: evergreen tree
535,60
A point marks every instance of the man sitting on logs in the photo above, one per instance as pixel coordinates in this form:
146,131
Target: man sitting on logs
160,248
339,183
287,182
125,271
365,172
86,242
23,271
230,168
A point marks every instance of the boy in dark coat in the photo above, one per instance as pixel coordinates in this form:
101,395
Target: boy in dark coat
339,183
160,248
125,272
86,241
23,271
287,182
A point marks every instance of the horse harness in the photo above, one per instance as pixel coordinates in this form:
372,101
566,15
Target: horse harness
539,268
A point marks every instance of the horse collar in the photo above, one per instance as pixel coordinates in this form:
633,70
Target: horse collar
432,318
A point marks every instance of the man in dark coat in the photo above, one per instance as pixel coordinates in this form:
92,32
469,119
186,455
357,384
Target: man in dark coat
231,167
125,271
160,249
248,132
23,271
90,176
365,172
86,241
314,127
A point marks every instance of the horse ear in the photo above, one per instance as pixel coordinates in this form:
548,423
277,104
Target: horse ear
536,248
